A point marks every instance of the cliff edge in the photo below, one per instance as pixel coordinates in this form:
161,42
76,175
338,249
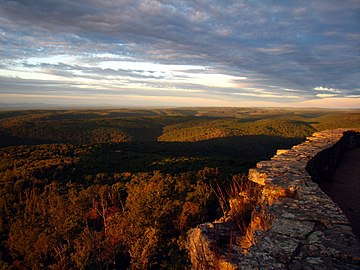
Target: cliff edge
295,225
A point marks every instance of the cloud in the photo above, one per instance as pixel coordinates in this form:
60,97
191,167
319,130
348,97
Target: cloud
325,95
310,48
327,89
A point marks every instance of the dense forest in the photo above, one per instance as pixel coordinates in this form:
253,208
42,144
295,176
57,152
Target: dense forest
119,189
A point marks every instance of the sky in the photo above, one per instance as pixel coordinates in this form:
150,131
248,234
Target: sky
180,53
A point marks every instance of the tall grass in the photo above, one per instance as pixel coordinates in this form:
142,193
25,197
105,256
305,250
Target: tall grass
238,200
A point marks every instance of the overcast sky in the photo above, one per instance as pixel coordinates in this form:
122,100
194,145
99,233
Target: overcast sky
180,53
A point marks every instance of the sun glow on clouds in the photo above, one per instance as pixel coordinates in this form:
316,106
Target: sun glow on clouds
267,95
193,74
146,66
325,95
80,69
110,72
327,89
141,100
327,92
51,60
183,50
28,74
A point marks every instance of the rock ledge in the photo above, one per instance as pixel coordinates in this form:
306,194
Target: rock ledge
295,225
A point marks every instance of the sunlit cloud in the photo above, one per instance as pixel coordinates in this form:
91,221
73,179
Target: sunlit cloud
267,95
325,95
51,60
327,89
229,52
146,66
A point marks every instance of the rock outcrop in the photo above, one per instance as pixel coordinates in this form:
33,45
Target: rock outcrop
295,225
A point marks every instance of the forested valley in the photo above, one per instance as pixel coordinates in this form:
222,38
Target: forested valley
119,189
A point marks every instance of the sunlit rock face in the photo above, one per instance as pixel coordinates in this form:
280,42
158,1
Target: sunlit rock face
295,224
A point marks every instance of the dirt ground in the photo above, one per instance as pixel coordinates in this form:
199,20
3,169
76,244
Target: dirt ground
344,187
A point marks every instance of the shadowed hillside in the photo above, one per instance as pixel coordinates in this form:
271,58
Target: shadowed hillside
113,126
98,189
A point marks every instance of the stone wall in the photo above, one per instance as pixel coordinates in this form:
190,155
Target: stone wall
295,225
324,163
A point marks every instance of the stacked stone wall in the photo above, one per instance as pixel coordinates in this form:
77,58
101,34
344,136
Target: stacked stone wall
295,225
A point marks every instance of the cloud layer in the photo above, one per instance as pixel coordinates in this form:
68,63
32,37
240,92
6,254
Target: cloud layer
251,52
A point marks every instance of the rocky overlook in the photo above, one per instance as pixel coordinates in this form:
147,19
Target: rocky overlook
295,225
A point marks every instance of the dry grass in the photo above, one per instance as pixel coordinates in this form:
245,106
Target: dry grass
238,201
